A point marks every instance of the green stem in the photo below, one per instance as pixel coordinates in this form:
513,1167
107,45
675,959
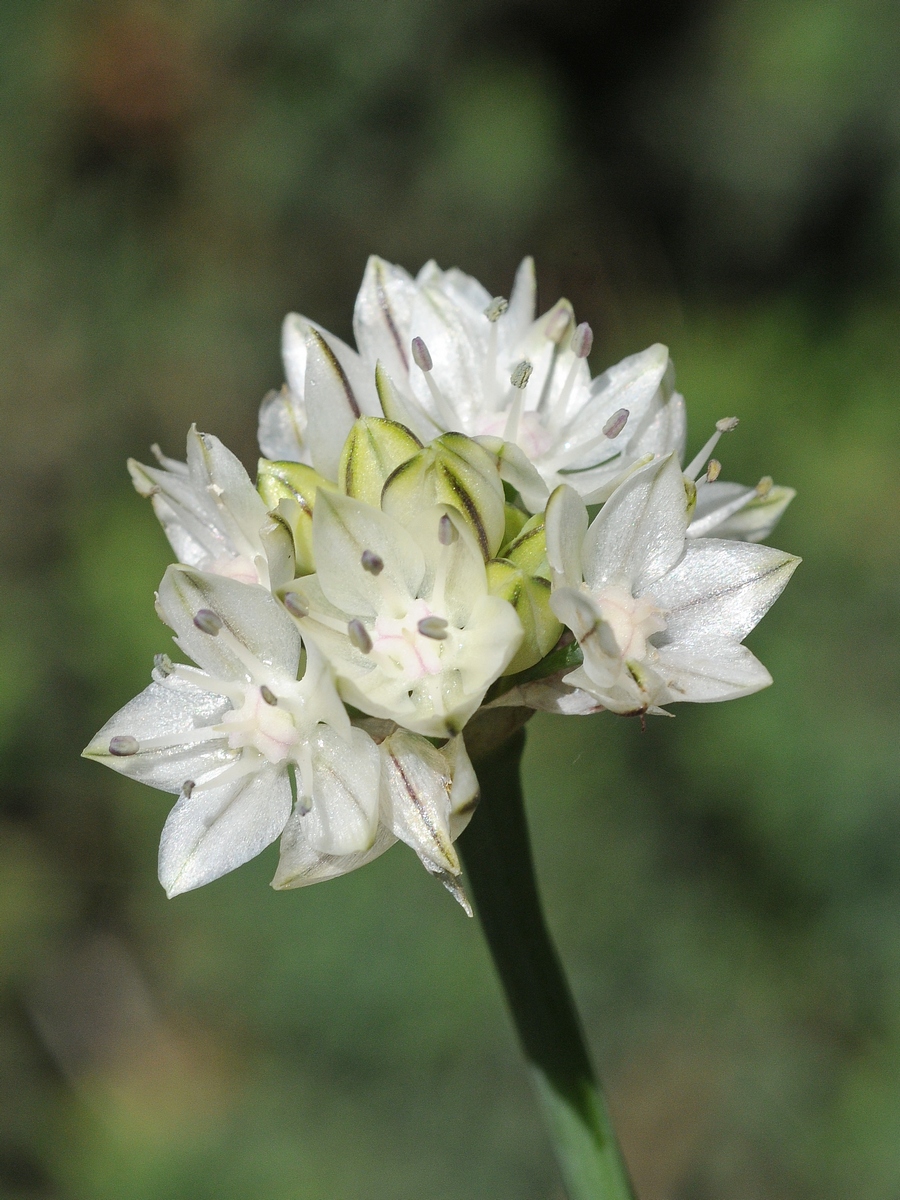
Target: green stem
499,873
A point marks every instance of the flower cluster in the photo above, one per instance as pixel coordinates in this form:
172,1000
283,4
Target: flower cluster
417,546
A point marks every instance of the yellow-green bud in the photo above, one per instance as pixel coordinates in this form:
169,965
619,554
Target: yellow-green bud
530,597
456,471
289,491
374,449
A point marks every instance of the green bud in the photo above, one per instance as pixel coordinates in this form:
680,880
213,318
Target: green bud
528,550
456,471
289,491
530,597
374,449
515,519
278,541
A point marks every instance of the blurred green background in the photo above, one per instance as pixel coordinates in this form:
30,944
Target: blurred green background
720,175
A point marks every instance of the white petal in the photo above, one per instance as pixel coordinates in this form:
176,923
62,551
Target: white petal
754,520
631,384
550,695
518,471
282,426
718,669
721,589
492,636
172,706
565,524
716,502
214,830
343,816
382,315
639,533
522,302
342,529
331,405
294,332
300,864
257,620
464,791
416,798
221,475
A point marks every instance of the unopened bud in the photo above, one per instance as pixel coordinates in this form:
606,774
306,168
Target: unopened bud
371,562
433,627
268,695
208,622
521,374
359,636
616,423
123,745
765,485
727,424
295,604
496,309
447,531
421,355
582,340
163,664
713,470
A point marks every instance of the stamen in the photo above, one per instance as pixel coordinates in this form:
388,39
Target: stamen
371,562
765,485
713,470
521,374
295,604
433,627
496,309
359,636
268,695
493,312
421,356
696,465
616,423
123,745
558,324
519,380
611,429
423,360
208,622
187,787
163,664
582,340
447,531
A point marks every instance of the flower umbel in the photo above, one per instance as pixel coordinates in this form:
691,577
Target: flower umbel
401,563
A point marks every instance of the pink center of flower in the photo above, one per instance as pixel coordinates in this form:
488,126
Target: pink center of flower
411,653
263,725
631,619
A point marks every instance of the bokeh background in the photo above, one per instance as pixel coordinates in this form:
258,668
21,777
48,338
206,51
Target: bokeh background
720,175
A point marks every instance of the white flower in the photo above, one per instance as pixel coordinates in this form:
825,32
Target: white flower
212,515
659,617
453,358
450,353
403,615
243,741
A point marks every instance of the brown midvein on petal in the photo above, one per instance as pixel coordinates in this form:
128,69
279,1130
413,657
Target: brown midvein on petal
338,370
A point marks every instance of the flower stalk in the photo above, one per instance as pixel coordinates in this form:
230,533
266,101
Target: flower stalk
499,872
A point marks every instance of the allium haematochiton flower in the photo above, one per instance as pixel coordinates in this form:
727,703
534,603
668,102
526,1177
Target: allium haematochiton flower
394,570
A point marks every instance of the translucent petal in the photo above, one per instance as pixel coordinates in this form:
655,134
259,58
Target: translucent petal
343,529
381,318
565,525
416,787
720,589
172,706
257,620
301,864
639,533
343,816
214,830
282,425
718,669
